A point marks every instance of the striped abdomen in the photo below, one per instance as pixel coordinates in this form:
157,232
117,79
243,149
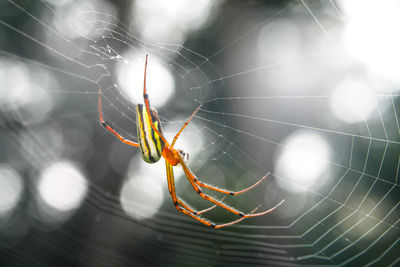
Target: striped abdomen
151,145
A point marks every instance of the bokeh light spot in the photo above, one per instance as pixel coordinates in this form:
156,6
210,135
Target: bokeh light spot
371,35
25,88
304,158
79,21
161,21
62,186
160,82
352,101
279,39
141,198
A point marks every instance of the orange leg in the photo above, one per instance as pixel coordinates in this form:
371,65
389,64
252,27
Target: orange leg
192,179
108,126
183,204
190,212
184,126
233,193
233,222
147,102
171,188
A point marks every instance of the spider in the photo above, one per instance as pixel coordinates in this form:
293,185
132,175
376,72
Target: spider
153,146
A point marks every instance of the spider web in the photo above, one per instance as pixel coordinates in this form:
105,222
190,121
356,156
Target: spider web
252,105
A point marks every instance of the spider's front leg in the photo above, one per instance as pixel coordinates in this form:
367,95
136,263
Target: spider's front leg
108,126
147,104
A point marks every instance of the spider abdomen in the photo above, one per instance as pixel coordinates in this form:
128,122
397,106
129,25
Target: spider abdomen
151,145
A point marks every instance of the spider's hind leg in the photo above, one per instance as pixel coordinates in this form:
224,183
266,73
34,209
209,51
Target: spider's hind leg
179,204
195,212
224,191
182,207
233,222
192,180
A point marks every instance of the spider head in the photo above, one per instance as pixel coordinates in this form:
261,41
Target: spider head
184,155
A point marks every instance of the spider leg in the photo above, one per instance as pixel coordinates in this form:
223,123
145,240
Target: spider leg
232,193
208,209
192,213
175,199
171,188
186,206
191,179
233,222
108,126
147,103
184,209
184,126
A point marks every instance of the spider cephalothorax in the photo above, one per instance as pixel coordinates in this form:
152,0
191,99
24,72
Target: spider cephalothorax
153,146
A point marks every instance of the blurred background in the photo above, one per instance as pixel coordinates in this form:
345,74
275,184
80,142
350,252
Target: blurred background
304,91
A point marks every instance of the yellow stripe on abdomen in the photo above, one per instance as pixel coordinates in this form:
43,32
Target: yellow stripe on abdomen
151,144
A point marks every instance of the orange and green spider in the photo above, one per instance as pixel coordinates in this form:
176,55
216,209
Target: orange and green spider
153,146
